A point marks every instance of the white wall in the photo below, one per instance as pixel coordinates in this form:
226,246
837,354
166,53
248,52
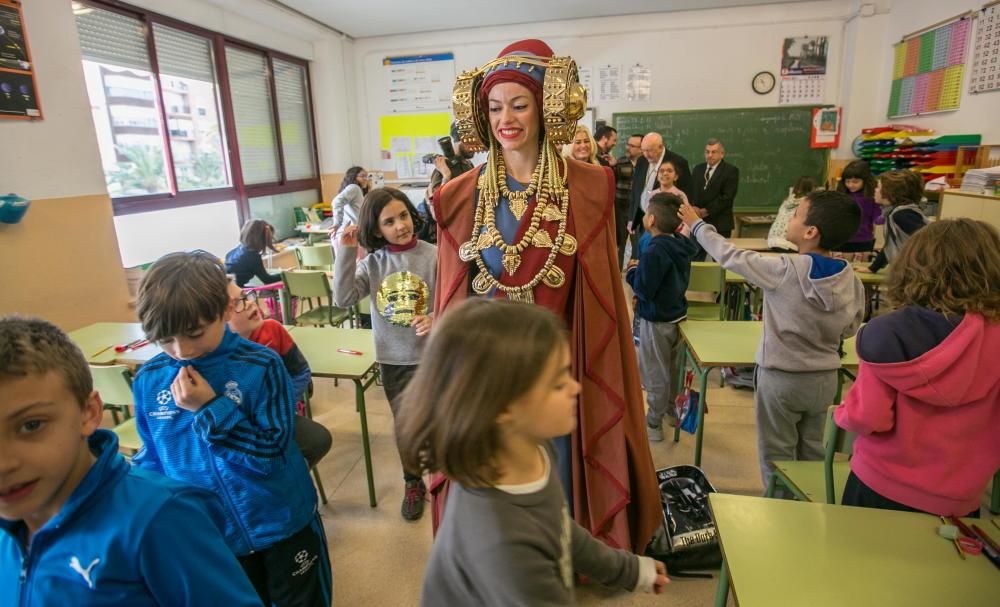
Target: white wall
56,156
705,59
977,113
699,59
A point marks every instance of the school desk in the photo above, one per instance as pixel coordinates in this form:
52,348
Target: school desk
318,345
311,231
790,553
710,344
322,348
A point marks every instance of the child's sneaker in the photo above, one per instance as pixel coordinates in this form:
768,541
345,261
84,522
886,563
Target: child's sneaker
413,500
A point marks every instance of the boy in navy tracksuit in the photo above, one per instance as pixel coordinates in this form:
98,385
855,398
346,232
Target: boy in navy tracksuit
659,282
78,525
217,411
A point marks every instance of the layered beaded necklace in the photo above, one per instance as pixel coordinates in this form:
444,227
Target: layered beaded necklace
548,182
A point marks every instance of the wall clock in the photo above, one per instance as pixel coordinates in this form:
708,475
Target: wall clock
763,83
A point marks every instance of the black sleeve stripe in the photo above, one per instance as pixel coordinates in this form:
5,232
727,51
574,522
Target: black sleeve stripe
294,361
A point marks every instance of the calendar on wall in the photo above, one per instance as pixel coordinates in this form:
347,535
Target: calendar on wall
801,90
928,68
985,72
803,70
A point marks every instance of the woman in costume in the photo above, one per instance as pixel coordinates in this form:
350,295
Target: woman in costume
532,226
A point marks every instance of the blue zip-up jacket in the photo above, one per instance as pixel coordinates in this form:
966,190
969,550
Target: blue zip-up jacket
661,278
239,445
124,537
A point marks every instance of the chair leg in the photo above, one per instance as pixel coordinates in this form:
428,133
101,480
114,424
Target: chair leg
771,485
319,484
722,590
995,497
114,414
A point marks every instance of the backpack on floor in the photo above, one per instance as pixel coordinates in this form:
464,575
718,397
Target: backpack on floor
687,539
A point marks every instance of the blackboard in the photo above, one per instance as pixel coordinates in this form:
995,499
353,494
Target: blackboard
769,145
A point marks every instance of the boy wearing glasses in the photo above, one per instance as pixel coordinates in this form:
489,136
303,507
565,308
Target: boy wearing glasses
217,411
247,321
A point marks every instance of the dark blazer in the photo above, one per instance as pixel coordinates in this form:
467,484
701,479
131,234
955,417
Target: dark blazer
717,195
684,182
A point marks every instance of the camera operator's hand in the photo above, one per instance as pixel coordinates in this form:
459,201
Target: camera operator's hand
441,164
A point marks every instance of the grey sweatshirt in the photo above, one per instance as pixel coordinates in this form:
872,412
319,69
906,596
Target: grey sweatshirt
401,286
347,205
496,548
811,302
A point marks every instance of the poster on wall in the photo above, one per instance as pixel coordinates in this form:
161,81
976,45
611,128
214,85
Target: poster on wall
927,69
639,85
610,83
419,83
985,73
406,138
803,70
825,127
586,75
18,88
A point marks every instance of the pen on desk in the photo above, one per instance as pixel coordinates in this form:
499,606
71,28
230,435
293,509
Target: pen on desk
130,344
986,539
354,352
988,551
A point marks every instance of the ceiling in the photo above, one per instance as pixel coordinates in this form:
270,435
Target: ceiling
368,18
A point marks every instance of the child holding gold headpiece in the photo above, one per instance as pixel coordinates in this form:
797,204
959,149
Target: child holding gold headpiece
398,274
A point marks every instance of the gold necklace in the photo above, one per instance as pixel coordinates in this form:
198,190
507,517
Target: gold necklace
518,200
553,187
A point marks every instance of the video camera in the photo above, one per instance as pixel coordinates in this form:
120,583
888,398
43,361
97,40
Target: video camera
448,151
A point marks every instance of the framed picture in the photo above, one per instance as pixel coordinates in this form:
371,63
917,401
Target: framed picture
18,87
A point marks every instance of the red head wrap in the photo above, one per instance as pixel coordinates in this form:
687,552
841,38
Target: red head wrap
529,76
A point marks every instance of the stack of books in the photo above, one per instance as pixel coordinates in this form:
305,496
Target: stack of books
982,181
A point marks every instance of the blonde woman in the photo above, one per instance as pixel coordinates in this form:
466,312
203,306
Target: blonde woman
583,147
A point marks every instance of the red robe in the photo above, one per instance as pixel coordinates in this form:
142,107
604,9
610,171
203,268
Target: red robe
615,494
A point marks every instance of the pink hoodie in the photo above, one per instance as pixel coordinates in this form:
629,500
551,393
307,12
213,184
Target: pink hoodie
928,429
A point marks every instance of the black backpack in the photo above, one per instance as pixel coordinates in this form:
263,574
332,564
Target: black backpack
687,540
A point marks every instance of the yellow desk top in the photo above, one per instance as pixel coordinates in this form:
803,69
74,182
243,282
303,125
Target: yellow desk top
98,343
733,343
789,553
320,344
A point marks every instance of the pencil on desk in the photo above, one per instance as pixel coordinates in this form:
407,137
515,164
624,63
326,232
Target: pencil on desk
96,354
954,540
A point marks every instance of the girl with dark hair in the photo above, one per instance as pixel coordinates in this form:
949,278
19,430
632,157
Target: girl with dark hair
244,262
347,202
484,413
858,182
399,275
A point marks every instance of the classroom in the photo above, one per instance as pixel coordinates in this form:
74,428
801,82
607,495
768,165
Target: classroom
296,149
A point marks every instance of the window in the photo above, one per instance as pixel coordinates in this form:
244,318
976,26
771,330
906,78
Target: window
185,116
254,115
122,94
187,76
293,112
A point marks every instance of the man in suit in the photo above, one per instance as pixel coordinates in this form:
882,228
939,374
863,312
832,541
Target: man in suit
715,185
644,177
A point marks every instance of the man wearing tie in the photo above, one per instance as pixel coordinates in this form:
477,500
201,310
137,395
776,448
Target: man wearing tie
715,185
644,177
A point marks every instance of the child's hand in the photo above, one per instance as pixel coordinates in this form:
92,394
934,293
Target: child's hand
422,324
684,230
631,264
190,390
688,214
349,237
661,578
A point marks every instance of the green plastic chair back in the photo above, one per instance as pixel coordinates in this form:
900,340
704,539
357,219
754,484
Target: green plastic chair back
128,436
114,383
706,277
311,288
315,257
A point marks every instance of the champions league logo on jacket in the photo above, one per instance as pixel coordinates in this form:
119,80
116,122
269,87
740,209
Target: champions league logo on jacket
233,392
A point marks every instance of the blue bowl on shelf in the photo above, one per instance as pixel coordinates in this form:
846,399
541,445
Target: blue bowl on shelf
13,208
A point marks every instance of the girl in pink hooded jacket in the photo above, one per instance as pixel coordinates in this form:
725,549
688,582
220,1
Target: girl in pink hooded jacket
926,403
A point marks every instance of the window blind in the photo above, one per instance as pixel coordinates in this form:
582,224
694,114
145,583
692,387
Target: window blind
253,116
293,112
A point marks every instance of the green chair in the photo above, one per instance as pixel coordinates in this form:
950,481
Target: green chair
315,257
128,437
114,383
818,481
707,277
311,288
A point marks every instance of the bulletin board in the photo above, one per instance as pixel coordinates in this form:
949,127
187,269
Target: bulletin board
406,138
928,67
18,85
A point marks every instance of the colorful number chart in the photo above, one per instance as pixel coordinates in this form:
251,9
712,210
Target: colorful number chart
985,74
927,70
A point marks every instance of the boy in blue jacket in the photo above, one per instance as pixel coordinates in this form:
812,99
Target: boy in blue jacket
217,411
659,282
78,525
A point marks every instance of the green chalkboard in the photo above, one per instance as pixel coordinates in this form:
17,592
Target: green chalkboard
769,145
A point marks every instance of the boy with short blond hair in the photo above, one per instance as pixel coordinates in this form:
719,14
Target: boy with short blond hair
99,530
217,411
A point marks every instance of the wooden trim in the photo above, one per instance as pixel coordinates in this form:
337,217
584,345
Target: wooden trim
160,202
